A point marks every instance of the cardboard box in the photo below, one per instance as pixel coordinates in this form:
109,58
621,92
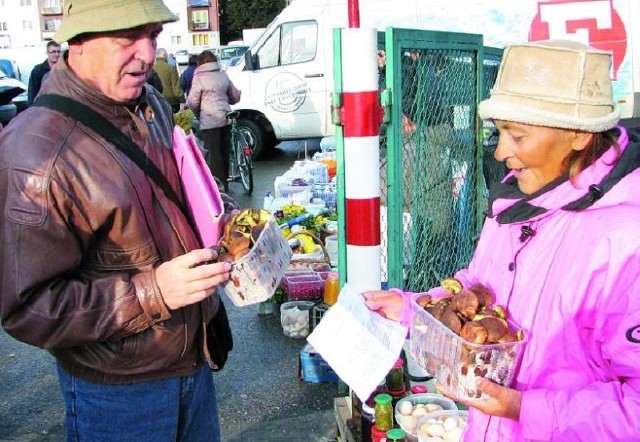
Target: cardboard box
312,368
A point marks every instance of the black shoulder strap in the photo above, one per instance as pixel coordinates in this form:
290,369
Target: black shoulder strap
103,127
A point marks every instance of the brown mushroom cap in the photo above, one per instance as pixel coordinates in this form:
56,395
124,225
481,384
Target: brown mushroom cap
474,332
485,296
450,319
466,303
496,328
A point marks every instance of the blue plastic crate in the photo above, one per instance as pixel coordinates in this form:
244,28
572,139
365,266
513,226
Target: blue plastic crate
313,368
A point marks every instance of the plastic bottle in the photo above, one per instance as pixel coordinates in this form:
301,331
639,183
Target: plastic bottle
331,288
383,412
268,201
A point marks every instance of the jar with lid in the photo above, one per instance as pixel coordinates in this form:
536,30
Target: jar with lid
383,412
396,435
418,389
331,288
395,378
378,435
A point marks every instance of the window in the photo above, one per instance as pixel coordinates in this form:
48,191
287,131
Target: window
176,40
27,25
51,3
200,39
3,26
290,43
199,20
25,2
51,25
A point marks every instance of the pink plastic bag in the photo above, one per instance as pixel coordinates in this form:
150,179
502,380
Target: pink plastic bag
200,188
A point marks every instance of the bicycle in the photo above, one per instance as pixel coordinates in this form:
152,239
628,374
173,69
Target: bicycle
240,162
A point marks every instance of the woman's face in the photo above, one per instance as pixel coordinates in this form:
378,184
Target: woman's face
116,63
536,154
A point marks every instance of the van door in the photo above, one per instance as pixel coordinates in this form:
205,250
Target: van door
289,70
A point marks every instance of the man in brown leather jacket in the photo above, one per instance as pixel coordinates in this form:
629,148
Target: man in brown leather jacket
98,265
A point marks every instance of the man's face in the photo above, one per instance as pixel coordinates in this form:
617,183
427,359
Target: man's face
116,63
53,54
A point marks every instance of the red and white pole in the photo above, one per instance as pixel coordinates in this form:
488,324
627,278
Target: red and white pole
360,119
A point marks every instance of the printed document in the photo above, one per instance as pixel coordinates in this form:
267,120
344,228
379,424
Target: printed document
360,345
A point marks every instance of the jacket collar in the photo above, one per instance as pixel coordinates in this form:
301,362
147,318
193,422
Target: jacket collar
508,205
208,67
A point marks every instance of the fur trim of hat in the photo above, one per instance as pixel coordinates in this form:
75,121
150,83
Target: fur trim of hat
554,83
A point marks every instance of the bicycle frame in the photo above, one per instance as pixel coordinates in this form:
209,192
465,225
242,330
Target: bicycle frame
240,161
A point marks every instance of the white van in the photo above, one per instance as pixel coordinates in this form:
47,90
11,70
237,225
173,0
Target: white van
286,76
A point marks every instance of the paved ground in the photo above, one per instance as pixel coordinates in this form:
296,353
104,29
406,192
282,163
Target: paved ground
260,396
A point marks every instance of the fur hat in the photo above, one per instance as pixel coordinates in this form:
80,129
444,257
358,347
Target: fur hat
554,83
82,16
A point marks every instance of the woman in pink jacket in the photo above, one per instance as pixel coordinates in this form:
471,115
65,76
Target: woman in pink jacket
210,97
560,249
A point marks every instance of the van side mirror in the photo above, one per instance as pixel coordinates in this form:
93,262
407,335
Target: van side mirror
250,61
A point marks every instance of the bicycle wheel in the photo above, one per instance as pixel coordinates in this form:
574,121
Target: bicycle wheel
244,163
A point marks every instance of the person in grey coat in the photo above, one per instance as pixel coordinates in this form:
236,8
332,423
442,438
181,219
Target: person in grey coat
210,99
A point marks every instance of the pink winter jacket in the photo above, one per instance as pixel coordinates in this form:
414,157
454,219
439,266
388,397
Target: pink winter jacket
211,94
566,264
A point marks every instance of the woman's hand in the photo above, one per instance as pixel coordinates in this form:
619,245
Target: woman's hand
502,402
190,278
387,303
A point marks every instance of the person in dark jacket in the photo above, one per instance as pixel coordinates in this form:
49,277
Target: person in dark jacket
40,71
154,80
186,78
97,264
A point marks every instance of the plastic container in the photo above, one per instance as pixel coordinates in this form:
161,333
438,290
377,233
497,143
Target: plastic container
456,363
421,404
287,191
317,313
303,276
449,425
331,245
256,275
294,317
304,288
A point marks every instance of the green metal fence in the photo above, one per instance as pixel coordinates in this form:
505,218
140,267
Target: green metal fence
433,188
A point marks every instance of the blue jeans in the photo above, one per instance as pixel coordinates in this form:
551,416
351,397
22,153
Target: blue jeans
176,409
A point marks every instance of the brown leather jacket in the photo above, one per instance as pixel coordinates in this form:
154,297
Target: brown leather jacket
81,232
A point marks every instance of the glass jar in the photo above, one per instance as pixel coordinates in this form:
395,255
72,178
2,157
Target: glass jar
395,378
396,435
383,412
378,435
331,288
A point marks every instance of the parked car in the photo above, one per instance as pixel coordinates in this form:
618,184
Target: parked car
10,90
182,56
227,53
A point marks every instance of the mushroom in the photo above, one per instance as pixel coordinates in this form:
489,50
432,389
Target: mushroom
474,332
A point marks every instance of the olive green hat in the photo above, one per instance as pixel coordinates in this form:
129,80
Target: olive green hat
83,16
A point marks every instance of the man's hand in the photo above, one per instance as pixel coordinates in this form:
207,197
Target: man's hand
502,402
190,278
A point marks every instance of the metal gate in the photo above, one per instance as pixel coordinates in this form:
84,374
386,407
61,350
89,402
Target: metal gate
433,191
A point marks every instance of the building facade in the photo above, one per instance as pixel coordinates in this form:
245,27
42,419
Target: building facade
26,23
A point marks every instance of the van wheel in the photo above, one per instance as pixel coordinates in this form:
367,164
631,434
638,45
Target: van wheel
255,135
